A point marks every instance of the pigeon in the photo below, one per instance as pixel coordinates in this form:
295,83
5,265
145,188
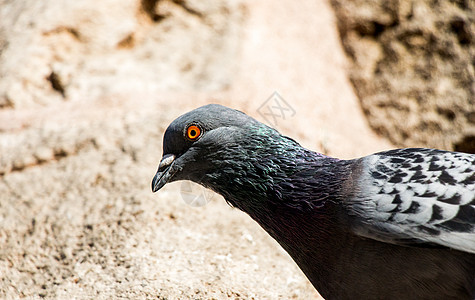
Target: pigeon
398,224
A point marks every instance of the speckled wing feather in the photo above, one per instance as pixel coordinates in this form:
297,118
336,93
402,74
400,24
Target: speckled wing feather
412,196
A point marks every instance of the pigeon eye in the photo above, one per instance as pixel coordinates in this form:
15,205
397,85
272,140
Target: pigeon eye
193,132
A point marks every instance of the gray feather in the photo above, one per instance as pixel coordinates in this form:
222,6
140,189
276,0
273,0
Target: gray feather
416,195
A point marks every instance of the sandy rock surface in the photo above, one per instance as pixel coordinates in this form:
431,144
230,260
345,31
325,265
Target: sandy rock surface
86,92
54,51
414,61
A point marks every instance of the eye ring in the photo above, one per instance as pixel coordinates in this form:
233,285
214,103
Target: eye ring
193,132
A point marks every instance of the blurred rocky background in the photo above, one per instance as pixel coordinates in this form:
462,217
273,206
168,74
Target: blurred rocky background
87,89
413,68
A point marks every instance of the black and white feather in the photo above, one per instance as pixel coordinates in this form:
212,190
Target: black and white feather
417,196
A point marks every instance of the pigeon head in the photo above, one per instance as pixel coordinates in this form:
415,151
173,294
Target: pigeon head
203,143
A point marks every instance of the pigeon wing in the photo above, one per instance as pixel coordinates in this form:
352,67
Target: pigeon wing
415,196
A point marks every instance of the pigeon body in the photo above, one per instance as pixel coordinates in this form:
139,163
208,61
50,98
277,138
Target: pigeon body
398,224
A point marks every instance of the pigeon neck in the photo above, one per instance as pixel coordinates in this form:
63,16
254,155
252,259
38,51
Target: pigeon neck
283,179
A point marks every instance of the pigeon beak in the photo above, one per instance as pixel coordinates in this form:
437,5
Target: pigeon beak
164,172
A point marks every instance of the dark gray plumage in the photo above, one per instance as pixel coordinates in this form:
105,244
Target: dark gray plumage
398,224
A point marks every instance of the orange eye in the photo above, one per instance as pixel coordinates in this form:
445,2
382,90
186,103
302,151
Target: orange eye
193,132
